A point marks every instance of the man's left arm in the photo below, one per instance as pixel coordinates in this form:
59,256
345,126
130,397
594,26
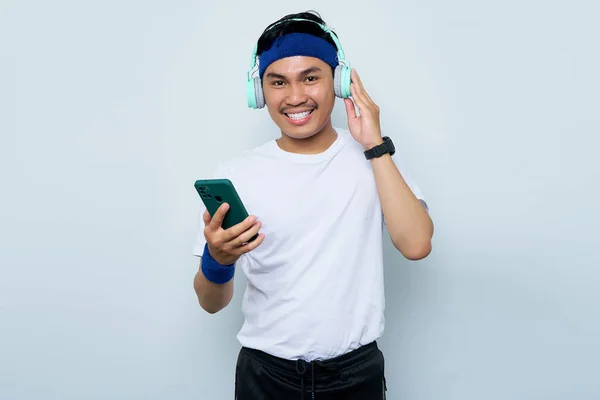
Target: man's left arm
406,218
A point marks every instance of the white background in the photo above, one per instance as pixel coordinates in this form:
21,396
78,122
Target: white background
110,110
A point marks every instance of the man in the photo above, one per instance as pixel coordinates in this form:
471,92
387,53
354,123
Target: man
319,198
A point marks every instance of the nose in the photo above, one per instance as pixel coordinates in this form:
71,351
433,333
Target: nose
296,95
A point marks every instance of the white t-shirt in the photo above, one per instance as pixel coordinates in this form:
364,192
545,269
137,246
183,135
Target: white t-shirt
315,285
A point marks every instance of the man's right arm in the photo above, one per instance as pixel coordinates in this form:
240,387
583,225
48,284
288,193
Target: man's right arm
226,247
213,297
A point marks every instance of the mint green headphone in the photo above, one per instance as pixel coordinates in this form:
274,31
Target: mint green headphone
341,77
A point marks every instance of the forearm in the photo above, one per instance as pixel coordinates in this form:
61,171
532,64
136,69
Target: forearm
213,297
407,220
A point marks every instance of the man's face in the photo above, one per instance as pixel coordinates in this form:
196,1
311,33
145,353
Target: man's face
299,95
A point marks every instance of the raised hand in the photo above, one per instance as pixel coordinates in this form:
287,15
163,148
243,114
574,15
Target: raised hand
365,128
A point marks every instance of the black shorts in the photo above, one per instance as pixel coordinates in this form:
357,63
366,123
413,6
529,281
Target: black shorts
358,375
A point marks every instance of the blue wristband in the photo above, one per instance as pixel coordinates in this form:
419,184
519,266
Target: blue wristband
215,272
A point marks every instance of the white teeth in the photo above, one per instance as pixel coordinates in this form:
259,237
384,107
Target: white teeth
299,115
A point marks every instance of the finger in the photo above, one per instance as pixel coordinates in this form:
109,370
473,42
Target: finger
360,89
363,102
356,80
244,237
206,218
217,219
251,246
358,86
350,108
358,99
236,230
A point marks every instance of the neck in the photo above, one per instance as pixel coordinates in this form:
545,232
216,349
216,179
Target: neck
315,144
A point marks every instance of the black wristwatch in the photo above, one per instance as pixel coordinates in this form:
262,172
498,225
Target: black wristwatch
386,147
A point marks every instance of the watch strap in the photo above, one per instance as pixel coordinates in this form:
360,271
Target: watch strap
386,147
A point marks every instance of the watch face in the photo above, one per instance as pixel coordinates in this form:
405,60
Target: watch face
389,144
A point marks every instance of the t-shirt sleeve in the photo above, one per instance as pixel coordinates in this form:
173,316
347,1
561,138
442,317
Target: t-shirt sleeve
397,158
219,172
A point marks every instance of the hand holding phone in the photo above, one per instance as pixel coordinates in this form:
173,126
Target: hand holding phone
226,246
228,229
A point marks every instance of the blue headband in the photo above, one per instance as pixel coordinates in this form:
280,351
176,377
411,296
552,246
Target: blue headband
298,44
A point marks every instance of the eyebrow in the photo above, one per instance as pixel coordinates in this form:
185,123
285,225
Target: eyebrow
302,74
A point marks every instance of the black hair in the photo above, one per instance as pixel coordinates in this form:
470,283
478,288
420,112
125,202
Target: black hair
287,25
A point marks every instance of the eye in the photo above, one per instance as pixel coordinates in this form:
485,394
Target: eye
311,78
277,83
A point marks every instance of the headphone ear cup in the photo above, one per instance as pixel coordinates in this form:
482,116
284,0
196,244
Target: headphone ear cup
337,81
341,81
260,97
250,95
254,93
346,81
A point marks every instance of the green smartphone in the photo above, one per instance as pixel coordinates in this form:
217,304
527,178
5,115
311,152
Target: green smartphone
215,192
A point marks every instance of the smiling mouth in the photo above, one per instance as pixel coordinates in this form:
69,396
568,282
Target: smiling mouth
299,116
